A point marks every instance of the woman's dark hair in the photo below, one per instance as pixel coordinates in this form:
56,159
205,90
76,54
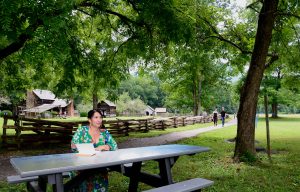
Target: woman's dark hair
92,112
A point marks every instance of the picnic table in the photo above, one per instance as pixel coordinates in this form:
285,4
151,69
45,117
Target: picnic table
50,168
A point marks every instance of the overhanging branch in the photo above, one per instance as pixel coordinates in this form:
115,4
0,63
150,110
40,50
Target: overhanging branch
288,15
221,38
273,58
231,43
20,41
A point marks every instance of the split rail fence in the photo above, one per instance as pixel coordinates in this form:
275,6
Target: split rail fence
61,132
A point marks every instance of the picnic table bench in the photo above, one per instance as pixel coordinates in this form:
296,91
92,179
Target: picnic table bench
51,168
195,184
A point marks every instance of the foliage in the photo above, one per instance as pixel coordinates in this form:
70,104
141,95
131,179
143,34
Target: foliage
15,80
191,73
5,112
86,47
83,114
127,106
147,88
82,46
84,106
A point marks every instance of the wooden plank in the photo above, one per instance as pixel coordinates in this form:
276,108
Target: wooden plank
184,186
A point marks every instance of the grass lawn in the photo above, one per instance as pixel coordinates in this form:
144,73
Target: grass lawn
283,174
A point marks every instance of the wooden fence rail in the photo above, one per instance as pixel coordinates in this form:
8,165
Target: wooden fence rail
61,132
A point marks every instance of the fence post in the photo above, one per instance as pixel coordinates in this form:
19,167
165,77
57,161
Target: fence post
146,125
4,139
175,122
162,125
183,123
126,128
118,126
18,131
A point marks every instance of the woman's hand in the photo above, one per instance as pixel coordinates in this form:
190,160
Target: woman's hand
73,146
103,148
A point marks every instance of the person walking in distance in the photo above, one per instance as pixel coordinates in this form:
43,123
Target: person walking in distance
223,113
215,117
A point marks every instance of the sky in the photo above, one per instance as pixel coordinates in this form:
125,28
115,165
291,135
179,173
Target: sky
240,3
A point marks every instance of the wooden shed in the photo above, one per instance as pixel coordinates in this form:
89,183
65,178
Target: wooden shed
108,108
161,111
40,101
149,111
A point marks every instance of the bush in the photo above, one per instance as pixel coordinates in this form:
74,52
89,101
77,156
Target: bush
46,114
83,114
5,112
54,113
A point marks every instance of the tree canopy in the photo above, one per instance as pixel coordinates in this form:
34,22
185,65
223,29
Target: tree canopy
193,47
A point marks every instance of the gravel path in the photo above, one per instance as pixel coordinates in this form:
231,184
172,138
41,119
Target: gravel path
170,137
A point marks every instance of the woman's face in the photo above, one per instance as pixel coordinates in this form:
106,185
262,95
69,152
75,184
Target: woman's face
96,120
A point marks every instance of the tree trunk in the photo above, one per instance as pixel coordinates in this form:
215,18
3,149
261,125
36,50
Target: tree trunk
15,111
195,106
275,110
267,126
70,108
244,146
95,100
199,98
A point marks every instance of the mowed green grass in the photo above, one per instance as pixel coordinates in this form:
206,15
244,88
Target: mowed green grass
282,174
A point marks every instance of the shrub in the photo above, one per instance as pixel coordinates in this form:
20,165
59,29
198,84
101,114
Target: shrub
54,113
83,114
5,112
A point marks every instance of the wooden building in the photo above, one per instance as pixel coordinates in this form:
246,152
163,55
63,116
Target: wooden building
38,102
149,111
161,111
108,108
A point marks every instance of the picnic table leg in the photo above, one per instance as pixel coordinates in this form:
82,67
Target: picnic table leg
42,182
134,175
57,182
165,166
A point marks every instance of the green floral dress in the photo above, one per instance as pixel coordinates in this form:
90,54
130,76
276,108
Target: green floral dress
97,182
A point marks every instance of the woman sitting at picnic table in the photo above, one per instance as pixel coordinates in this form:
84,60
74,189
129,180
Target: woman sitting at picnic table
94,133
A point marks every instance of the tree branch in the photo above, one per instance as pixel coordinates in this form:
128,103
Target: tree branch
121,16
231,43
131,2
273,58
21,40
86,13
251,6
119,47
221,38
288,15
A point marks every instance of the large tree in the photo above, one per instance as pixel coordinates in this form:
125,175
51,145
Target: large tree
259,46
249,93
144,87
192,74
87,44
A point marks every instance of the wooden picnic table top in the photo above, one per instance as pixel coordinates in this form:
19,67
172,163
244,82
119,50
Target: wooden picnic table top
59,163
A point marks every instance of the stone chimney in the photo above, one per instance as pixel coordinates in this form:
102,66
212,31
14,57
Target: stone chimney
70,108
30,99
